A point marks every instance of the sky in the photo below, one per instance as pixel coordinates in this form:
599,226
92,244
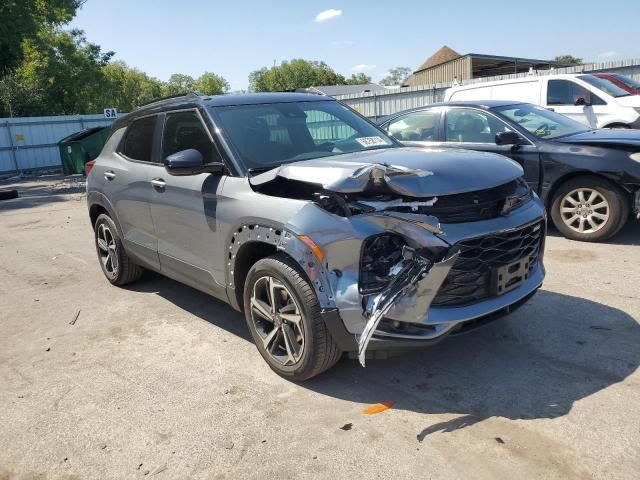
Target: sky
234,37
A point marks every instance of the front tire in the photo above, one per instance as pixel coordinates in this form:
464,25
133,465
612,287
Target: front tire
589,209
283,315
114,261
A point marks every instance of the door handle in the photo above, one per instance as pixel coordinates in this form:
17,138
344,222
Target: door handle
158,183
109,175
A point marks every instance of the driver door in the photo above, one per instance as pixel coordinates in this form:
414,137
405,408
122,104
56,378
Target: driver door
183,208
476,129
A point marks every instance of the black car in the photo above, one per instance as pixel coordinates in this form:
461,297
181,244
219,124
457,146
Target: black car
588,179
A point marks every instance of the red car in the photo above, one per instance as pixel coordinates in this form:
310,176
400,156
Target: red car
626,83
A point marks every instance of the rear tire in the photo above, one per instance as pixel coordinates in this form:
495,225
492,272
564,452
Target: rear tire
589,209
116,264
283,316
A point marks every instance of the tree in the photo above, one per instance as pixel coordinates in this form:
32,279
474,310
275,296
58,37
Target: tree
359,79
210,83
21,20
125,88
179,83
396,76
568,60
64,69
290,75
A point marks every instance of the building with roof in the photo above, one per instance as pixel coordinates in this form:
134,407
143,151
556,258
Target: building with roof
447,65
333,90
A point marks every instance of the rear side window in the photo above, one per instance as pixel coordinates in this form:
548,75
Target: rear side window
183,131
138,139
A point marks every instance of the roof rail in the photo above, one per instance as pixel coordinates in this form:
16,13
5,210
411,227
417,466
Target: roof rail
169,97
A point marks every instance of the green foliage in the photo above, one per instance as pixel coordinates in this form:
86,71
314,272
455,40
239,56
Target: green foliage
125,88
396,76
62,69
210,83
22,20
568,60
359,79
290,75
179,83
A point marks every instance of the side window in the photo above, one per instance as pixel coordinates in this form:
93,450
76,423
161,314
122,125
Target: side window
324,127
138,139
416,126
184,130
566,92
465,125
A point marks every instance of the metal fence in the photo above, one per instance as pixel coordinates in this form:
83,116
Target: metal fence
376,105
31,143
28,144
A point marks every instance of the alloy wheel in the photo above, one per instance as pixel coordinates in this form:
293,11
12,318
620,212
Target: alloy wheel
585,210
277,320
107,249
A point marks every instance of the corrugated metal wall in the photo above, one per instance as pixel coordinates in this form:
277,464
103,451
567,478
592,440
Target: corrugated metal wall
395,100
31,143
459,68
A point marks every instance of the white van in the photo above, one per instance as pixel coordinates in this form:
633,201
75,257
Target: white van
593,101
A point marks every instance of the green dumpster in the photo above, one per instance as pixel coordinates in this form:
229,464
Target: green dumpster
80,147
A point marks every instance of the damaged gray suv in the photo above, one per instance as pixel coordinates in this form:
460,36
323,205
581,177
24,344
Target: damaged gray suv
329,235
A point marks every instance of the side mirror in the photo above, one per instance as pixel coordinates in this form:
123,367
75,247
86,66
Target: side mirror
190,162
581,101
508,138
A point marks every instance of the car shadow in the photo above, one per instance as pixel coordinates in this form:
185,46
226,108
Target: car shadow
197,303
629,235
536,363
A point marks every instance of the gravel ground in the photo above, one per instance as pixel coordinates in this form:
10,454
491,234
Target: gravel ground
159,380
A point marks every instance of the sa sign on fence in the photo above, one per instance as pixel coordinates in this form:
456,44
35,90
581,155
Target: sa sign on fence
110,113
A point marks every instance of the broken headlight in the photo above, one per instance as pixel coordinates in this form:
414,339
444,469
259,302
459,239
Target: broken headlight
521,195
379,255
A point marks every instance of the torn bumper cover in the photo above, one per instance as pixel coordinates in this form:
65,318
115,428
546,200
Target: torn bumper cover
410,293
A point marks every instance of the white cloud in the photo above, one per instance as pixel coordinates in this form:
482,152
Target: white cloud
328,15
609,54
363,67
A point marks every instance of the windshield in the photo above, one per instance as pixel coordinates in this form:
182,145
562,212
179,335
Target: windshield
604,85
628,81
268,135
541,122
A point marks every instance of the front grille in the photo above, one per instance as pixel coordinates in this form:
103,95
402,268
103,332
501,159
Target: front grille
469,279
479,205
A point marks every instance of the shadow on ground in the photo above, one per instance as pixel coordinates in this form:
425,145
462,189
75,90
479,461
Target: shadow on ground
535,363
36,191
629,235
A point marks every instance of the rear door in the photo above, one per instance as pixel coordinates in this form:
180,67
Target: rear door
128,184
184,208
476,129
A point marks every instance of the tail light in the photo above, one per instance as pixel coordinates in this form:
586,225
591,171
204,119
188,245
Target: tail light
88,166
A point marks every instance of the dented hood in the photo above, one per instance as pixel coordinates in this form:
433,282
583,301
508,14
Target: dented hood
407,171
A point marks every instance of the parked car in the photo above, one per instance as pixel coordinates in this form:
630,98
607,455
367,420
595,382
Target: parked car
325,231
592,101
626,83
588,179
